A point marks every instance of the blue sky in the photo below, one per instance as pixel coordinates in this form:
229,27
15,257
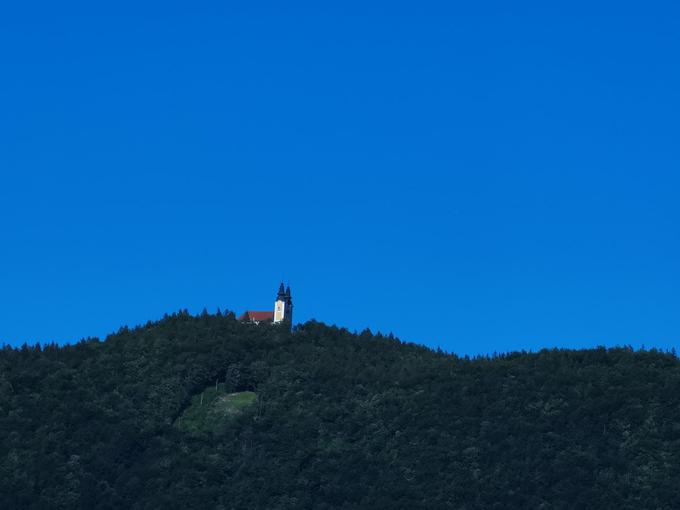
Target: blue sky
487,177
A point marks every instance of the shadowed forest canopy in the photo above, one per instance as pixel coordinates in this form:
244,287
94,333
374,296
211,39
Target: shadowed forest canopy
206,412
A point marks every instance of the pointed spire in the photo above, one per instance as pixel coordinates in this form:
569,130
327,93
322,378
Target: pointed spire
288,291
282,293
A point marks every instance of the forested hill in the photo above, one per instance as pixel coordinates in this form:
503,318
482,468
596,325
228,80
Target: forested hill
207,413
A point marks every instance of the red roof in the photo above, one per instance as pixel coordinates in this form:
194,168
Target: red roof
254,316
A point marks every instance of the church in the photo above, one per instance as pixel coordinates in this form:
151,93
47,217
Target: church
283,310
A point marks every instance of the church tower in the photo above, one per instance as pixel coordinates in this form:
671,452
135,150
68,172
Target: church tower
283,307
289,305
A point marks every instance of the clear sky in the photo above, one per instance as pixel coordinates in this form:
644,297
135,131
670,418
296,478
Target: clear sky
480,176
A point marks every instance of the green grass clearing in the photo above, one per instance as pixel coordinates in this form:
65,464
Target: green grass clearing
210,410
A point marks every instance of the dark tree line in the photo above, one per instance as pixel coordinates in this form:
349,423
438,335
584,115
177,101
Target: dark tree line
343,421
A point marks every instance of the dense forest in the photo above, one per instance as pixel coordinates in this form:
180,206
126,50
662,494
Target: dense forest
206,412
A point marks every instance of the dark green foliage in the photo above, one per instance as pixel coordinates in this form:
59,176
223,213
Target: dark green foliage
340,421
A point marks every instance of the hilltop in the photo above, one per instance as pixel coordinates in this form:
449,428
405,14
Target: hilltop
207,412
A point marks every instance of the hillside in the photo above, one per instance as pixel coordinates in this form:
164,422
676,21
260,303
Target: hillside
205,412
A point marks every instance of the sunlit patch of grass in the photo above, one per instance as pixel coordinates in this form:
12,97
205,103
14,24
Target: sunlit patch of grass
211,409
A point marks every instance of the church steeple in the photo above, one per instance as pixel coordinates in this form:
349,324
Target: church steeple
289,305
283,310
283,307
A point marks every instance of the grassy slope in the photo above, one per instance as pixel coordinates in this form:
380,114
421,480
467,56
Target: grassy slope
211,409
